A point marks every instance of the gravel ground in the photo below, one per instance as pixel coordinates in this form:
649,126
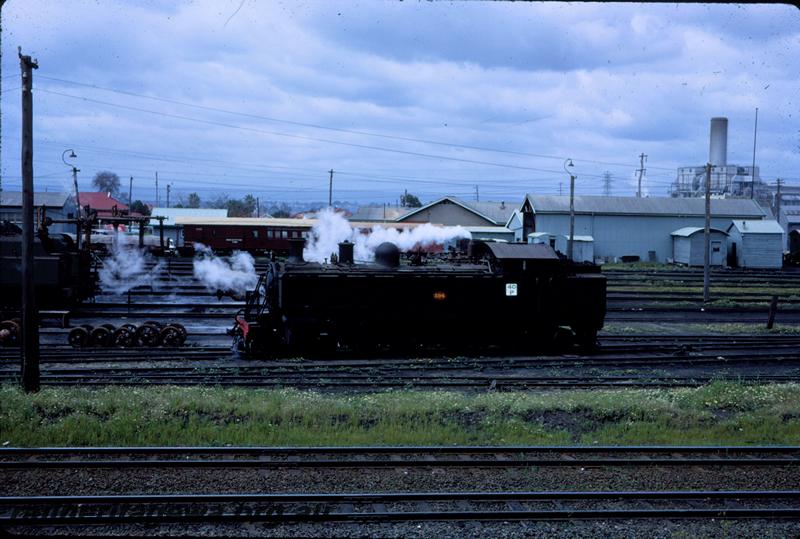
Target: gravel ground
144,481
678,529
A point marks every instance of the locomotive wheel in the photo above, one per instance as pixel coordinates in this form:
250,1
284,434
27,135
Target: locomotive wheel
170,336
129,327
78,337
122,337
147,334
109,327
9,332
99,336
180,328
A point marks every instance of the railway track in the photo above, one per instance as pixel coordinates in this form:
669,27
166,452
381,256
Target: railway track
48,512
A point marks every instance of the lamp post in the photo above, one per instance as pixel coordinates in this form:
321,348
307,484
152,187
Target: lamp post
74,176
568,163
77,195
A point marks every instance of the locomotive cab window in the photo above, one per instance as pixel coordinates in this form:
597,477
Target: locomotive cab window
284,234
270,233
255,233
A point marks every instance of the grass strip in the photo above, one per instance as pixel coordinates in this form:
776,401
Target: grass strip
719,413
667,328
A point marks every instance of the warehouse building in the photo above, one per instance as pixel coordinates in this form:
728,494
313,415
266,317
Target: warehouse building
630,226
57,206
756,244
452,211
688,246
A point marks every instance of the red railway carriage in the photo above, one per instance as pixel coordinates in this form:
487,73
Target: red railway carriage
260,235
244,233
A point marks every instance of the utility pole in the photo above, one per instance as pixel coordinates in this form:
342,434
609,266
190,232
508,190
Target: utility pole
642,159
568,163
30,322
330,190
258,207
477,194
560,190
130,194
169,186
707,239
778,200
157,204
607,183
1,94
755,134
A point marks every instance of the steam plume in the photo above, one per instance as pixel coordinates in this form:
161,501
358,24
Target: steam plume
238,275
126,268
332,229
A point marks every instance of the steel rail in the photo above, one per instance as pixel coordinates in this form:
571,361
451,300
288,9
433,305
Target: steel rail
402,450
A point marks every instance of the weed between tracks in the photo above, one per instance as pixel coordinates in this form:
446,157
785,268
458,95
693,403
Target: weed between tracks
720,413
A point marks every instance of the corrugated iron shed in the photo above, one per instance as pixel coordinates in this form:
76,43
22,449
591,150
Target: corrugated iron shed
49,200
521,251
735,207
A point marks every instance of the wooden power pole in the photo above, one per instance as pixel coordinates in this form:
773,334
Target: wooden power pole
30,322
707,239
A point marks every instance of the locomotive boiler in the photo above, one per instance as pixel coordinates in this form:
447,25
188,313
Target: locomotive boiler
519,296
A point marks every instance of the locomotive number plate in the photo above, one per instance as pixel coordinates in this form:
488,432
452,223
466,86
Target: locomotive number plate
511,289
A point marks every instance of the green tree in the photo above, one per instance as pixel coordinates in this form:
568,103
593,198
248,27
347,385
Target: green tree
106,181
242,208
280,210
410,201
193,201
140,207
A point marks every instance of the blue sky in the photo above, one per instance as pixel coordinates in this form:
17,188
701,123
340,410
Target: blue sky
227,97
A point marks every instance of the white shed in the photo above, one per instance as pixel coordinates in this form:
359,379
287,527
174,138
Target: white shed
582,247
756,244
542,237
688,244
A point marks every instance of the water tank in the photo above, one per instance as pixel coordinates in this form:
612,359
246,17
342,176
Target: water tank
718,142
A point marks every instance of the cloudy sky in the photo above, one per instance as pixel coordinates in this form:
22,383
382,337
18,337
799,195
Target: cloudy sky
231,96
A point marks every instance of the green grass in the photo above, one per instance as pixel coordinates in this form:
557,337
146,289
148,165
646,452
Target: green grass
639,266
720,413
667,328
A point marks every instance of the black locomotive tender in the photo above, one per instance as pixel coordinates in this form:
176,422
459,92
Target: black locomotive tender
523,296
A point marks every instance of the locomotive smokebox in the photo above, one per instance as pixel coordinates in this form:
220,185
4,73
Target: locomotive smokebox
345,252
388,255
296,247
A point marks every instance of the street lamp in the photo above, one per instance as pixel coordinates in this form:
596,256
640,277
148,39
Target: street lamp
74,176
568,163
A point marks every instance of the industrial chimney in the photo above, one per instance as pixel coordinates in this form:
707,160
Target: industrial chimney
718,142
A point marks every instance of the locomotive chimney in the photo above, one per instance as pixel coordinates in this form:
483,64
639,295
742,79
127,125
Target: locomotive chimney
296,246
345,252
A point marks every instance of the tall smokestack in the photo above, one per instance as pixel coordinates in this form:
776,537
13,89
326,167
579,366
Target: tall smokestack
718,142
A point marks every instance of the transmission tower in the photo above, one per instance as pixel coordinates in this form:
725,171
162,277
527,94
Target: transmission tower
607,183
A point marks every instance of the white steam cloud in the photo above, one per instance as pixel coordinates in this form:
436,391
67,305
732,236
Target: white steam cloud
126,268
237,275
332,229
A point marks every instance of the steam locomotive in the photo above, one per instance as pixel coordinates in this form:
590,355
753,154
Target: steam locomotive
519,296
63,276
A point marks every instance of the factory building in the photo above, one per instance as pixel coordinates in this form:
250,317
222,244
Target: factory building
57,206
755,244
452,211
727,180
630,226
173,232
688,246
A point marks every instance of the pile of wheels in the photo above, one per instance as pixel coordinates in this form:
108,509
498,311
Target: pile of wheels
10,332
128,335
